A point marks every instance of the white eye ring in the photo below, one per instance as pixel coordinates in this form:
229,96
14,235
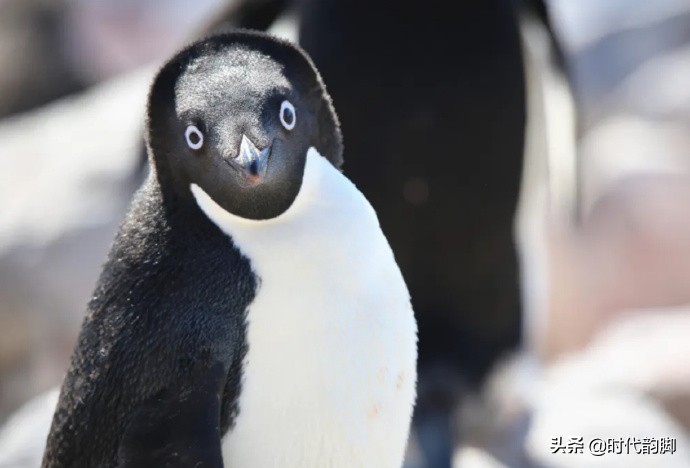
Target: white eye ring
287,107
194,137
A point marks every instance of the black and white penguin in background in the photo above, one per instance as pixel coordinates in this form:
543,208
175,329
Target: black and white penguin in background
250,313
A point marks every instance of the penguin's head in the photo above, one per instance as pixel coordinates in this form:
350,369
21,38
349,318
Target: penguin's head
235,115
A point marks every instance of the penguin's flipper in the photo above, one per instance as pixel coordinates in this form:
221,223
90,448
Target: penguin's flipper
178,427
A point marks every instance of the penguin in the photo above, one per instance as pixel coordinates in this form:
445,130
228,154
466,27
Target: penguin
250,312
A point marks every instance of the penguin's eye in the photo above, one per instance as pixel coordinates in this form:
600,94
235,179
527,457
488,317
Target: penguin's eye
194,137
287,115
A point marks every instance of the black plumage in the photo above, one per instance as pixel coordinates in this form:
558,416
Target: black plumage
144,339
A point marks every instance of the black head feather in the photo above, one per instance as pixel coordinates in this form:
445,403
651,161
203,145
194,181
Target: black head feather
231,86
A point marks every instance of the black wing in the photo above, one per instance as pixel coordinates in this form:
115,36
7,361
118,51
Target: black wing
177,428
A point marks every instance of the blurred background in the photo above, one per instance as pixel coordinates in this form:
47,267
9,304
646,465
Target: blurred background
596,345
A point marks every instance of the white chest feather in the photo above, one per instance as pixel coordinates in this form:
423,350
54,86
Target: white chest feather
329,378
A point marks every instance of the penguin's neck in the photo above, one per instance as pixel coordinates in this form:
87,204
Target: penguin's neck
328,210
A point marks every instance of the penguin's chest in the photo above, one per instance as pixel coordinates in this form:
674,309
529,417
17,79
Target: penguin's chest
328,379
330,371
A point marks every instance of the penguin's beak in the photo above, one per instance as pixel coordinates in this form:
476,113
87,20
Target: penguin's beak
250,161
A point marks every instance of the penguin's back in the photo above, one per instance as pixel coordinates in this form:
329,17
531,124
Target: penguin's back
166,318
